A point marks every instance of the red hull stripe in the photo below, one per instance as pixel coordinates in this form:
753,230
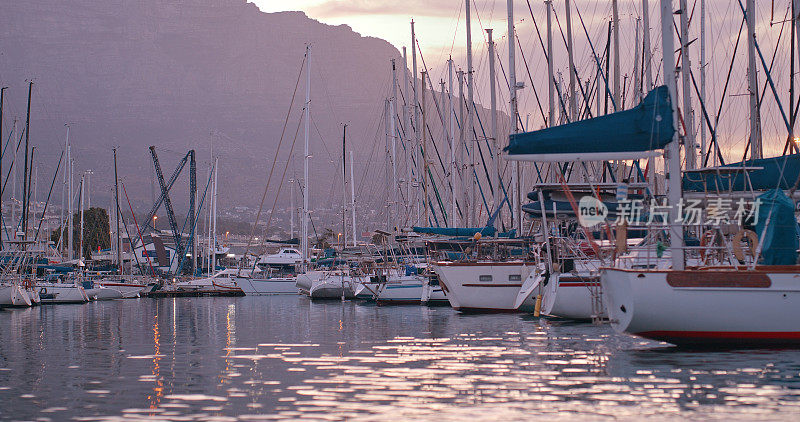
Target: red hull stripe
595,284
722,335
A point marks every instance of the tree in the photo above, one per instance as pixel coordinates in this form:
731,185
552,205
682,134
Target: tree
323,241
96,231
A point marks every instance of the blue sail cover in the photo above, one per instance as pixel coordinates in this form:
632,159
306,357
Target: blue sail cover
627,134
776,172
780,237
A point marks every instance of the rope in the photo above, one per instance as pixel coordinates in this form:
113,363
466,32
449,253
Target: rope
280,142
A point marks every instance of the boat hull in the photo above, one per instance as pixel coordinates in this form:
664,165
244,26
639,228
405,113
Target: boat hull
703,308
572,296
128,290
61,293
484,287
267,286
334,286
398,289
103,293
306,280
14,296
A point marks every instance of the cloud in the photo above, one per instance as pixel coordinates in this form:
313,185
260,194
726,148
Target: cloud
341,8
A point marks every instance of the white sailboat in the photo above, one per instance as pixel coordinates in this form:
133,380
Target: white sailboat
12,295
487,275
224,281
61,292
333,284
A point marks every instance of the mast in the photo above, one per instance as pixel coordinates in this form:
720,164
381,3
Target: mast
344,185
673,149
210,246
291,204
304,239
551,89
116,211
703,145
756,150
451,132
70,219
80,234
2,101
214,219
425,220
615,18
461,147
14,186
393,128
495,182
637,82
415,105
686,72
573,107
353,200
387,189
62,220
470,113
647,58
512,83
445,132
25,173
407,132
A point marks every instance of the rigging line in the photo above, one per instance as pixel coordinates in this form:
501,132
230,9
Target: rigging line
13,160
436,148
770,81
722,97
130,240
144,249
530,78
194,226
594,54
428,127
280,185
47,202
283,131
574,68
503,71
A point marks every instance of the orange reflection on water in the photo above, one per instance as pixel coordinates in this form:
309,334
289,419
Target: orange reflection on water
230,343
158,389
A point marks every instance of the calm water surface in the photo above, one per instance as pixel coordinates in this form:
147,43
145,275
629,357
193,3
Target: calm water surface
257,358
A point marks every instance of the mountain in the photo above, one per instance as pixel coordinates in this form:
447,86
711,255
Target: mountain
177,74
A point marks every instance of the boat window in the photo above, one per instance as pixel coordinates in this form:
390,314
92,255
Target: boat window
514,277
485,277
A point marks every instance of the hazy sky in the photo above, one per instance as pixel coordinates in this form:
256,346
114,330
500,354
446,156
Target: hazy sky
440,31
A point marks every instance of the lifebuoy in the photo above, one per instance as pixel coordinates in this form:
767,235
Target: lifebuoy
752,240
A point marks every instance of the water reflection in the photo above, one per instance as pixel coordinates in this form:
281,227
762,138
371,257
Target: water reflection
288,358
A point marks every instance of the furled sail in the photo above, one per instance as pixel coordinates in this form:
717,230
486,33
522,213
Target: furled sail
758,174
628,134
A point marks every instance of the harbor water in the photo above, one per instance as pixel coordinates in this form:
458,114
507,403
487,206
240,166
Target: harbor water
285,357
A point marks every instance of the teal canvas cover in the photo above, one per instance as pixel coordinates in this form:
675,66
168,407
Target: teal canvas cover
779,236
646,127
773,172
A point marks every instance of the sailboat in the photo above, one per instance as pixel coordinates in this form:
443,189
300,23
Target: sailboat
13,295
754,303
570,288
